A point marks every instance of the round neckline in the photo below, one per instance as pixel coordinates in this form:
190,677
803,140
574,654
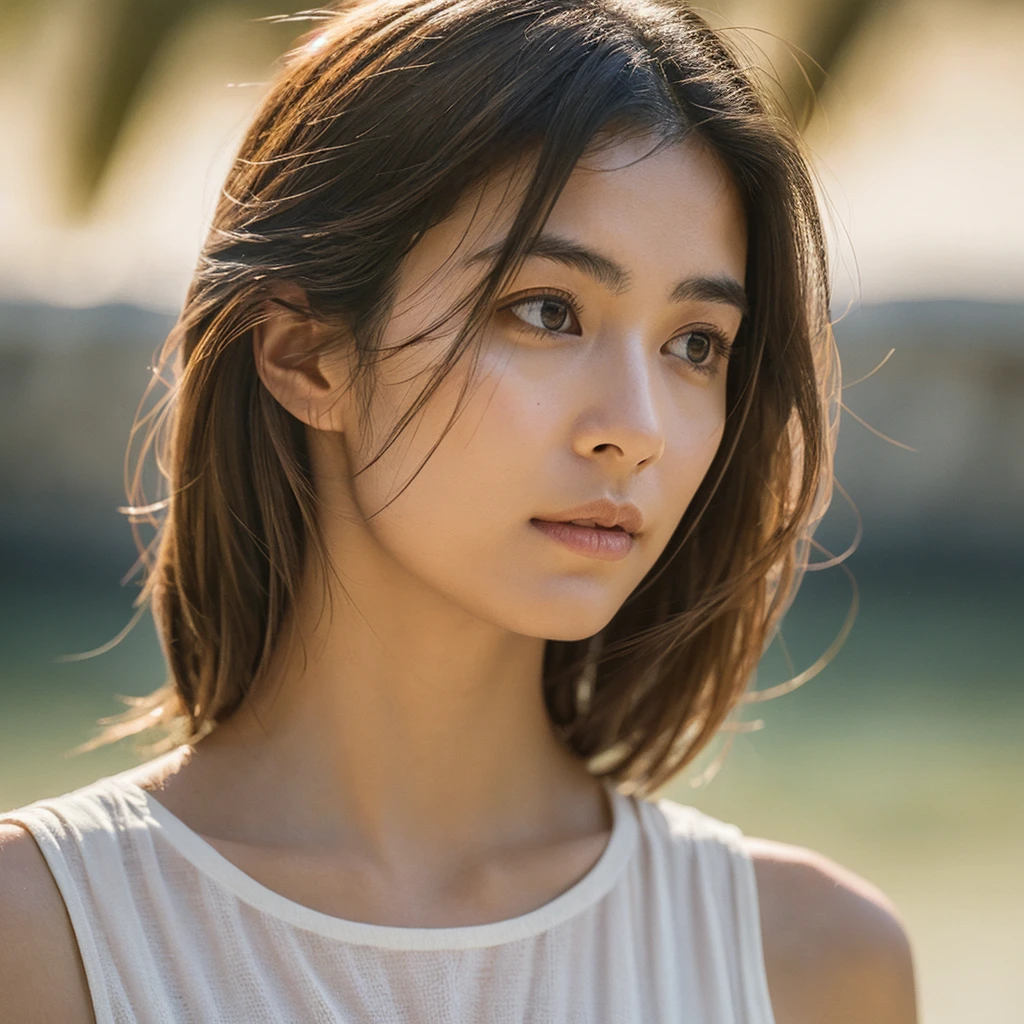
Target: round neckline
583,894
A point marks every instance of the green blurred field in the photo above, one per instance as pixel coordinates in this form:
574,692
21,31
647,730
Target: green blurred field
903,760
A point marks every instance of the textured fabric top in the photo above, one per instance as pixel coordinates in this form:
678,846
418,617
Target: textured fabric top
664,928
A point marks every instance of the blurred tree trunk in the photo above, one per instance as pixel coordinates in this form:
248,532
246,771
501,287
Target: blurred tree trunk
829,30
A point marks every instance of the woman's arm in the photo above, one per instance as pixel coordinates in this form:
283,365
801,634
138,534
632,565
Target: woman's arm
42,979
836,951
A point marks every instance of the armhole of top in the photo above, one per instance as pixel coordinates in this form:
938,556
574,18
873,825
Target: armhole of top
749,920
36,821
734,865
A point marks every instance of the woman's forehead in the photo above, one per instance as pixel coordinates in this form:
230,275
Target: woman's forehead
676,203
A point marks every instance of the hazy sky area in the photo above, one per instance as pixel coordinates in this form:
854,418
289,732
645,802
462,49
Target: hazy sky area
919,148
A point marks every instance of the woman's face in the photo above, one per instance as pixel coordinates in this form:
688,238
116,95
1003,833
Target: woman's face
602,373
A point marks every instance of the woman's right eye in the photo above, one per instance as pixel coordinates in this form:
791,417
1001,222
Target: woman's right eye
546,314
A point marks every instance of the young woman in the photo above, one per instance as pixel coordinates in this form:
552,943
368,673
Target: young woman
504,413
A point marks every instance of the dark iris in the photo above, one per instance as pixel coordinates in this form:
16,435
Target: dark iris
553,314
698,347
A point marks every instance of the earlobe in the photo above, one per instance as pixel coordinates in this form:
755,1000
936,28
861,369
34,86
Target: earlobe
293,362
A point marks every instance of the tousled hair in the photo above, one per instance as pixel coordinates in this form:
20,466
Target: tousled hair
374,127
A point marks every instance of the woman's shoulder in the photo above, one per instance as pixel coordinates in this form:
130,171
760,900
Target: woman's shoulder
53,850
835,946
41,972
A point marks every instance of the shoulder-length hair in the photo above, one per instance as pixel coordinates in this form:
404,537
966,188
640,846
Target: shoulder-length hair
374,127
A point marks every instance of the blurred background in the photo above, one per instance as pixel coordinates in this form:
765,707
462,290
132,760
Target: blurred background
902,759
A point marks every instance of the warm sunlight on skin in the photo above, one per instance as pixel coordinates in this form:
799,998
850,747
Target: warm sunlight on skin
410,733
617,391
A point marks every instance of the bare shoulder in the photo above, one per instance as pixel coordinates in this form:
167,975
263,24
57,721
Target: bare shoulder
836,949
41,974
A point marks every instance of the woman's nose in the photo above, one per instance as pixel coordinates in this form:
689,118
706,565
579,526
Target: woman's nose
622,412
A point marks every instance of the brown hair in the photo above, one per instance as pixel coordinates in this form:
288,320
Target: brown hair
373,129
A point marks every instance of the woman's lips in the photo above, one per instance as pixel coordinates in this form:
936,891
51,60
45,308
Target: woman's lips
595,541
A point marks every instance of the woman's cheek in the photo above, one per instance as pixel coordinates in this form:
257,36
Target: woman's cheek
701,433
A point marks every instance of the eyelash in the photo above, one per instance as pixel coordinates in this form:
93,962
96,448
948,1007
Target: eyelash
720,344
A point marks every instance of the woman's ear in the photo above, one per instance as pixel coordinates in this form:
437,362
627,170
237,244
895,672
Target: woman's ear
291,360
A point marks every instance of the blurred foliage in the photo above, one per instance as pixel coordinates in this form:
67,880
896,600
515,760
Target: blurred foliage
111,70
112,67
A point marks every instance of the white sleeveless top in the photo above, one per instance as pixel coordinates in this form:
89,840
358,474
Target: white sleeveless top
663,928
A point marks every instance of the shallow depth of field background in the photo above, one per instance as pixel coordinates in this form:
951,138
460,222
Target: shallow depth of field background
903,758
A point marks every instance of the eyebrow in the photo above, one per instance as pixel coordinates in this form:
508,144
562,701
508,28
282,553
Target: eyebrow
615,277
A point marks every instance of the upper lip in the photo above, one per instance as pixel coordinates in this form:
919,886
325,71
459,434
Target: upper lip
604,512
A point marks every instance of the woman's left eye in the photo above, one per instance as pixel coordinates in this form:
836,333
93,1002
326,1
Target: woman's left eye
546,313
700,347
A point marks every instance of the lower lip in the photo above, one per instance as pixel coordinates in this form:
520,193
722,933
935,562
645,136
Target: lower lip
595,541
